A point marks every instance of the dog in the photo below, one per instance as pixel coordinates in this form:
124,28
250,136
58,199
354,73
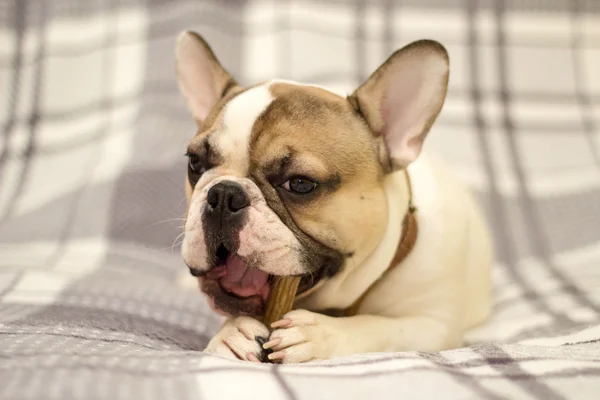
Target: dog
287,178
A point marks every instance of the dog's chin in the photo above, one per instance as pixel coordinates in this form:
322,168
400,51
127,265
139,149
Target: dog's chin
235,288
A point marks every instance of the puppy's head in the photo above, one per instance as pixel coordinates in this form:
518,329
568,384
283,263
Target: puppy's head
287,179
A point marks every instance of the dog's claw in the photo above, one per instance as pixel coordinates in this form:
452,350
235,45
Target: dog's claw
264,354
238,338
272,343
276,356
261,340
282,323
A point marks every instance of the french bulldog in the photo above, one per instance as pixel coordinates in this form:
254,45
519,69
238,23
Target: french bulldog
286,178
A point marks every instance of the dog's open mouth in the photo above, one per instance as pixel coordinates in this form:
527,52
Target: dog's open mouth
236,288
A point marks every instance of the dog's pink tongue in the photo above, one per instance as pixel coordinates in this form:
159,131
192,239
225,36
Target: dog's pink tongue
243,281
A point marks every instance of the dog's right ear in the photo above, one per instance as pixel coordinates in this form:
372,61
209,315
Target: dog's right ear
202,79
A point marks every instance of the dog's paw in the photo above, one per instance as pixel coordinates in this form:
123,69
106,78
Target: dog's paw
301,336
241,338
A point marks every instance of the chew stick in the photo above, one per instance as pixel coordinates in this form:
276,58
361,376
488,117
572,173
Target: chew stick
281,299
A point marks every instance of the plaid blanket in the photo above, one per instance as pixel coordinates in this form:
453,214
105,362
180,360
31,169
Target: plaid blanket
92,173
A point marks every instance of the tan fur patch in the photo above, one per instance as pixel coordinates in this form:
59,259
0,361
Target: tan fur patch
318,134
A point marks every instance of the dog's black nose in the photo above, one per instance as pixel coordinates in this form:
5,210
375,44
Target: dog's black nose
227,197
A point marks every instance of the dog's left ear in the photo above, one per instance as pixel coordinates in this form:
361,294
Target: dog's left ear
202,79
402,98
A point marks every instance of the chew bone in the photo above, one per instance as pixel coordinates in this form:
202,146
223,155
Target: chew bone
281,300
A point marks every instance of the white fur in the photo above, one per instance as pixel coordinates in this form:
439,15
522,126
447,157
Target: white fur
264,235
236,338
193,248
239,117
426,303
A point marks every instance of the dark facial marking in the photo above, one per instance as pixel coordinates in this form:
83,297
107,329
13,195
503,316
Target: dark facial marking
197,272
264,353
195,169
224,216
205,152
285,168
206,156
276,170
211,154
325,187
314,255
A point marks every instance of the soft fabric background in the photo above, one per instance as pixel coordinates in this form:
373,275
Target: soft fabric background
92,172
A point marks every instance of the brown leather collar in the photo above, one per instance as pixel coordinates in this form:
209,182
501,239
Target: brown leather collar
406,244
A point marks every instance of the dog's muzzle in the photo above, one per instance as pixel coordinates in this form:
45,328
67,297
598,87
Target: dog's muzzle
240,257
225,215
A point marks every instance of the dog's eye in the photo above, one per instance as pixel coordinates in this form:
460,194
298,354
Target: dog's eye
195,168
195,164
300,185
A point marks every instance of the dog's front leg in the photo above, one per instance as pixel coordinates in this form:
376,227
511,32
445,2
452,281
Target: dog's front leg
303,336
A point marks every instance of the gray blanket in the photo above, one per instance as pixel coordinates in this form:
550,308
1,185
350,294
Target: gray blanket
91,192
